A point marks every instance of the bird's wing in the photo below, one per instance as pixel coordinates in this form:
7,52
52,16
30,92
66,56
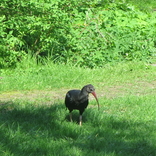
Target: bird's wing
72,96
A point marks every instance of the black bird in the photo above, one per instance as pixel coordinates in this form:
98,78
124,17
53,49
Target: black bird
78,99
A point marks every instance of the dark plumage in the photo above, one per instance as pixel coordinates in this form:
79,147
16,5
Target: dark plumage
78,99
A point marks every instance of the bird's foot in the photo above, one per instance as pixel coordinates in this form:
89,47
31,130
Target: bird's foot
80,123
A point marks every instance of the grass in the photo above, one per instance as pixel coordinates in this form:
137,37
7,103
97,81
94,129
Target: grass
144,5
123,126
65,76
36,122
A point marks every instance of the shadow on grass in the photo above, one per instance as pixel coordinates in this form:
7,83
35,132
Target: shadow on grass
45,130
75,117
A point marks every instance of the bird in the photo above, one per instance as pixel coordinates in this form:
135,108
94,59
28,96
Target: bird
78,99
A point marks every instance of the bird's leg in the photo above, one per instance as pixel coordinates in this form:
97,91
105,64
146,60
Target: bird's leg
71,117
80,120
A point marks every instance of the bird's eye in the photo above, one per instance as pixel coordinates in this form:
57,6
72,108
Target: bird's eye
91,89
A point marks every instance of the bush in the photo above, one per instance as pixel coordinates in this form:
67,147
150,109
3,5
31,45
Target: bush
86,33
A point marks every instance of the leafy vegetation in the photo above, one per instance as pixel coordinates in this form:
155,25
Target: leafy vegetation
85,33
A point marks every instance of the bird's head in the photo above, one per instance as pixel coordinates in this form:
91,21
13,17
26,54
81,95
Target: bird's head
90,89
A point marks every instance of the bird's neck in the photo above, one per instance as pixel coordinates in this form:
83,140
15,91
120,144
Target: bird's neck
83,94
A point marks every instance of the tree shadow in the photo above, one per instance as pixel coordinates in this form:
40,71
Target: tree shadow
120,136
75,117
23,124
30,122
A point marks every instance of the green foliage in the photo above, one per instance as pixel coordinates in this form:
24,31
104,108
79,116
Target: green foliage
86,33
114,35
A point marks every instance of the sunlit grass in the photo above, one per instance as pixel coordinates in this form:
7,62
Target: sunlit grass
144,5
54,76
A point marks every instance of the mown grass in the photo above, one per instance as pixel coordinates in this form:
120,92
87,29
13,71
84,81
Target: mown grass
125,124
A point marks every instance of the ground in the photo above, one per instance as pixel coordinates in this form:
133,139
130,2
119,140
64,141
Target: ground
138,88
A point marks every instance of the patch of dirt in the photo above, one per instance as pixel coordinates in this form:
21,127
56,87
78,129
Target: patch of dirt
45,96
35,95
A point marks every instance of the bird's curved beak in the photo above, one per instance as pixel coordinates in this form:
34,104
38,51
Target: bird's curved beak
94,94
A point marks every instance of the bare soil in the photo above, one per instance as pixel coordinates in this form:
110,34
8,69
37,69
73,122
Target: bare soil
138,88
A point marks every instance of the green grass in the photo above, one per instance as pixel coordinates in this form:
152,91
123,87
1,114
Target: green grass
123,126
36,122
144,5
61,76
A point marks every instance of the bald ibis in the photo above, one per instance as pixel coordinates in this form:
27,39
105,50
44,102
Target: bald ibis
78,99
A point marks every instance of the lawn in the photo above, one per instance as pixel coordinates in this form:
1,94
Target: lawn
34,120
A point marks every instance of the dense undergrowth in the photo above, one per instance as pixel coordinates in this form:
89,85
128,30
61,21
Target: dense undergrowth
84,33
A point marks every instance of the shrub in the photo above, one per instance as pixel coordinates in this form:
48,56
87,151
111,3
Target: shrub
86,33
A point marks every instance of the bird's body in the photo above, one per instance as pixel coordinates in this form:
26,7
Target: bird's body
75,100
78,99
